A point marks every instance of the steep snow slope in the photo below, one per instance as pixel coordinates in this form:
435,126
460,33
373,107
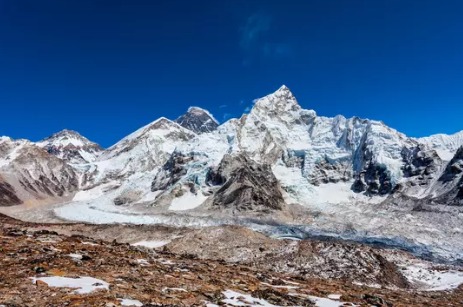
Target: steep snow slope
127,169
445,145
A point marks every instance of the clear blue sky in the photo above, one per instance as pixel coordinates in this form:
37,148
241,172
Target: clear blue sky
105,68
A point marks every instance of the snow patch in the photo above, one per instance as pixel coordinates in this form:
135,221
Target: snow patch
187,201
142,262
130,302
75,256
335,296
82,285
433,280
96,192
326,302
234,298
151,244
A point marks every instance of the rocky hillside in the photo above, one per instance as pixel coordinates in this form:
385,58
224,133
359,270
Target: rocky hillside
30,174
47,268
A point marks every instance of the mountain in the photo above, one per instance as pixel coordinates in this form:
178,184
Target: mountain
198,120
71,146
445,145
279,164
30,174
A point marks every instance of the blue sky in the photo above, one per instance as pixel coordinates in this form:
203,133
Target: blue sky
105,68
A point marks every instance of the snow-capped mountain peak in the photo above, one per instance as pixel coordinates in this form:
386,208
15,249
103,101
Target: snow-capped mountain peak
69,145
198,120
281,100
445,145
200,111
160,124
281,107
67,137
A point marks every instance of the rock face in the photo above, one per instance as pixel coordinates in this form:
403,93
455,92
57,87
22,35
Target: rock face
8,195
454,168
172,171
451,182
31,173
198,120
245,185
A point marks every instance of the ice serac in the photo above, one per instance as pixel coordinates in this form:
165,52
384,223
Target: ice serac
198,120
71,146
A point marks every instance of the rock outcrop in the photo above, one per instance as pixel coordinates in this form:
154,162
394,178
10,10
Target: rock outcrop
245,185
198,120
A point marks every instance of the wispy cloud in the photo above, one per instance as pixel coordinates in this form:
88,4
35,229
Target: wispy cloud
223,106
257,42
255,26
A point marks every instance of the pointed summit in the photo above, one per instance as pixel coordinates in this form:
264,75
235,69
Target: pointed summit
67,137
280,101
283,89
198,120
69,145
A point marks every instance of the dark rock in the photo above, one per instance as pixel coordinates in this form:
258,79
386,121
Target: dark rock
376,301
8,195
197,120
39,270
374,180
172,171
454,167
248,186
369,177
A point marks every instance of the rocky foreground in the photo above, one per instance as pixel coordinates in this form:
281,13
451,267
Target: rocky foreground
43,267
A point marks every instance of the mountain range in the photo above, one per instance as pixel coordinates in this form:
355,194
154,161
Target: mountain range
276,168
